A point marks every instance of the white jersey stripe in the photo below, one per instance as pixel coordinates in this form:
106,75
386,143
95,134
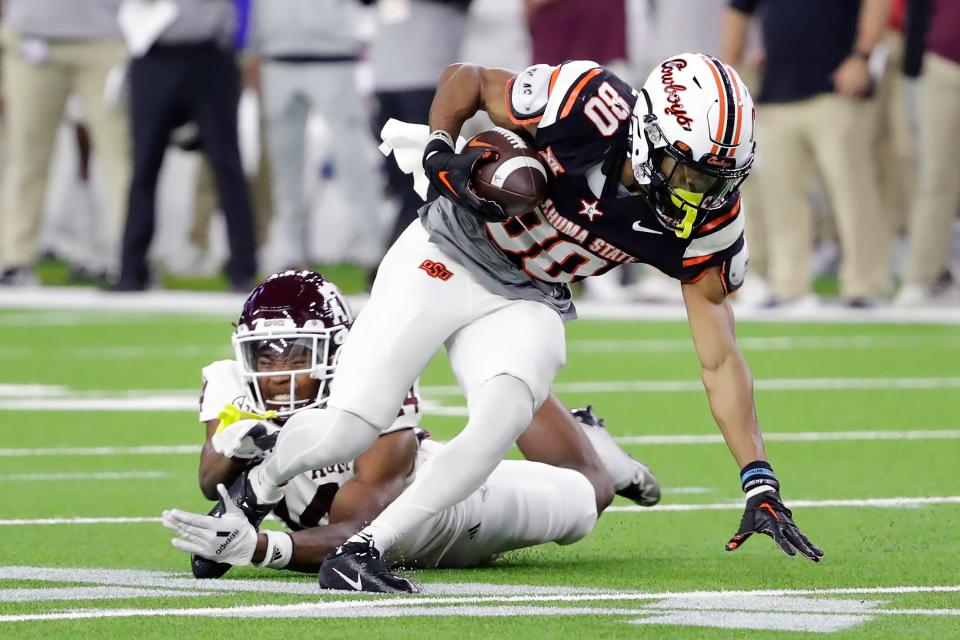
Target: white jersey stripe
716,241
569,74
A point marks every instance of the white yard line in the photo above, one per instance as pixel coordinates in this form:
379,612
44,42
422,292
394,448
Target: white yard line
20,522
144,403
54,398
736,505
228,305
755,343
650,440
100,475
768,343
102,451
114,352
764,384
419,605
802,436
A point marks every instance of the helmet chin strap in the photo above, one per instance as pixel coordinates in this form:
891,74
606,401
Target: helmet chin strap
687,205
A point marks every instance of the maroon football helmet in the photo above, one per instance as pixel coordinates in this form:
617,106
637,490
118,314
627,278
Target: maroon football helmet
292,324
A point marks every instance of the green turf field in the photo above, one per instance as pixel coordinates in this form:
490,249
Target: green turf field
862,429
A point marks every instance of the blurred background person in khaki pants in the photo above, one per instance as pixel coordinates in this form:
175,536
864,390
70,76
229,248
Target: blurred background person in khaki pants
307,52
814,115
937,199
52,49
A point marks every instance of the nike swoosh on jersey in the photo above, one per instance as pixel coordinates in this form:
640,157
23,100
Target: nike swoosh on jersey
639,227
356,584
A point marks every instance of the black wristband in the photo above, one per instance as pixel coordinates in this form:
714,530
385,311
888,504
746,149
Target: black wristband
756,474
440,141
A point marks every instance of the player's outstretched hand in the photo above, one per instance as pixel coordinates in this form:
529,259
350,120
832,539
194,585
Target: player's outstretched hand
450,173
766,513
229,538
245,439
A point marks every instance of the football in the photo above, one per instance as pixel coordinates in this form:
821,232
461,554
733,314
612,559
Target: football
517,179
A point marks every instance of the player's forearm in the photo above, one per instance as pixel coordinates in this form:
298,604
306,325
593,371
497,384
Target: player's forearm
215,468
458,98
730,391
874,15
310,546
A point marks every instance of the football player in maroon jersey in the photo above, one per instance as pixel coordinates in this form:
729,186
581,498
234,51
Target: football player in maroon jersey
286,343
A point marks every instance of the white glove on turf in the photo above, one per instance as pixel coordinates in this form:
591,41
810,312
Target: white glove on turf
229,538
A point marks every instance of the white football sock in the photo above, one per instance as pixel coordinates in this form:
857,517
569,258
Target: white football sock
619,466
311,439
500,410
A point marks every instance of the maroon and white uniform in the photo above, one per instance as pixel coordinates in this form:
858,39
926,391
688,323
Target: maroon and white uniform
521,504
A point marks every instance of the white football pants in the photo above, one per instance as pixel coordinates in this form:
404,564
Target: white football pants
423,299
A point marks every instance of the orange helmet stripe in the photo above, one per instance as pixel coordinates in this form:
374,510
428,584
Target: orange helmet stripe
723,103
737,103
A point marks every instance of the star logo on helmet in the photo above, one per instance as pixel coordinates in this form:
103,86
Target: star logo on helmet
589,209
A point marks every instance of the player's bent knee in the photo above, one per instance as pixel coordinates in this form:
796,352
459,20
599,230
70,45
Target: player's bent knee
508,395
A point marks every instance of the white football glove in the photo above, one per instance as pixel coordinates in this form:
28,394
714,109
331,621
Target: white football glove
229,538
246,439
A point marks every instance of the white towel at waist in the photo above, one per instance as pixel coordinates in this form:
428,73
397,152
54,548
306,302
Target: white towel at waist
406,141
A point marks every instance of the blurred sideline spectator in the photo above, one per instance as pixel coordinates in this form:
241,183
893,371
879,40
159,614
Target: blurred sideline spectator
416,40
747,55
814,114
197,258
659,29
307,52
562,30
190,73
51,49
892,137
496,35
937,197
76,226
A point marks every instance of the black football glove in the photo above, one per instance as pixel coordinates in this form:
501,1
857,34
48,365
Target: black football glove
766,513
450,172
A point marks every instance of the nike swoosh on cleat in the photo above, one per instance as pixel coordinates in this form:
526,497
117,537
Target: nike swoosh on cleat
639,227
356,584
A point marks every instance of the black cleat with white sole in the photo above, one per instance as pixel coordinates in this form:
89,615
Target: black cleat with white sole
357,566
242,495
644,488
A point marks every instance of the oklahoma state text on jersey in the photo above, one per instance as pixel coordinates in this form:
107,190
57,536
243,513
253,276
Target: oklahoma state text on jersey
589,223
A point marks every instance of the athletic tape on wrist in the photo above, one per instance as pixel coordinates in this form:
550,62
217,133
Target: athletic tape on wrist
757,474
440,134
439,141
279,550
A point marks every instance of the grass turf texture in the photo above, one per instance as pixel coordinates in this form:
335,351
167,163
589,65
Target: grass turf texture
648,552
